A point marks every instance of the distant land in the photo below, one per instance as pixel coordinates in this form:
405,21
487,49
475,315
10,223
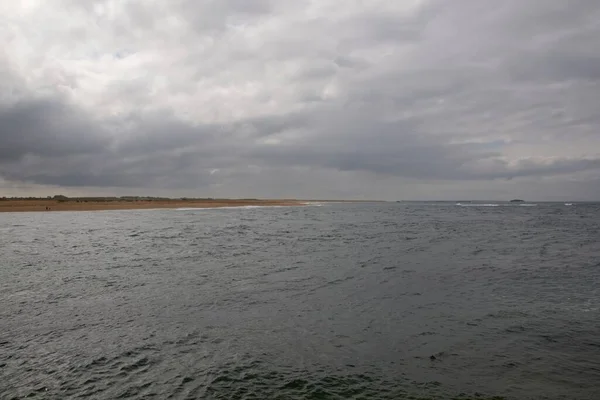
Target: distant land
64,203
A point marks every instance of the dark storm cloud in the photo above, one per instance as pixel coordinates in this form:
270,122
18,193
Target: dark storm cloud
43,143
401,149
459,91
46,128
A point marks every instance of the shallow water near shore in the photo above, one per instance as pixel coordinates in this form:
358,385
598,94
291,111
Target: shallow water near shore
342,301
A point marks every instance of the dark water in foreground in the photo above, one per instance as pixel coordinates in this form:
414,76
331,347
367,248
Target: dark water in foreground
331,302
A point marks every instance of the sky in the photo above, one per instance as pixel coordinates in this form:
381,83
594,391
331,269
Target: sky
320,99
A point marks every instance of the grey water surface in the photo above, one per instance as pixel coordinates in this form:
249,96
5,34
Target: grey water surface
341,301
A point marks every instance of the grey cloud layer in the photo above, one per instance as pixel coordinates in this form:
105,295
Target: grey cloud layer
193,94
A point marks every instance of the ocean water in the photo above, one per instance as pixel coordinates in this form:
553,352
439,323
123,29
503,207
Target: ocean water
342,301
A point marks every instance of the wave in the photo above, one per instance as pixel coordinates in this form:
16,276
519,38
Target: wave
312,203
216,208
225,207
494,205
477,205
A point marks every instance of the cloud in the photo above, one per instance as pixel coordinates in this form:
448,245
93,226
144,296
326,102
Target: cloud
324,98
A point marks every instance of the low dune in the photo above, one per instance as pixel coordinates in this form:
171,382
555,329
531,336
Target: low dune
98,204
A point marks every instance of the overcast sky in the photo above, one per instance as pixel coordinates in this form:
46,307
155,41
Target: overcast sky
405,99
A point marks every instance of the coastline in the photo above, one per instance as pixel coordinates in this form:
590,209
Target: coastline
74,204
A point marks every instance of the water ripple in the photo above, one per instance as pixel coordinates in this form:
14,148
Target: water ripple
344,301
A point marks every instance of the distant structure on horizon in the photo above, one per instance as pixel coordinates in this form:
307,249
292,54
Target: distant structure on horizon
517,201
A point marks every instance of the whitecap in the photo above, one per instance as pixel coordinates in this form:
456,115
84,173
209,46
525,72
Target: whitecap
225,207
311,203
477,205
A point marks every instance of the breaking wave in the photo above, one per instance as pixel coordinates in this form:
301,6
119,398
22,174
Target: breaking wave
476,205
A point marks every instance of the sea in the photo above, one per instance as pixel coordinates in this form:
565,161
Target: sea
397,300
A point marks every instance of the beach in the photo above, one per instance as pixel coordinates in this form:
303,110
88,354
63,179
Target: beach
99,204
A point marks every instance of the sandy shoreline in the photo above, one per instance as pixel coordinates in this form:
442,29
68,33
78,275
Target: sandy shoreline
49,205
